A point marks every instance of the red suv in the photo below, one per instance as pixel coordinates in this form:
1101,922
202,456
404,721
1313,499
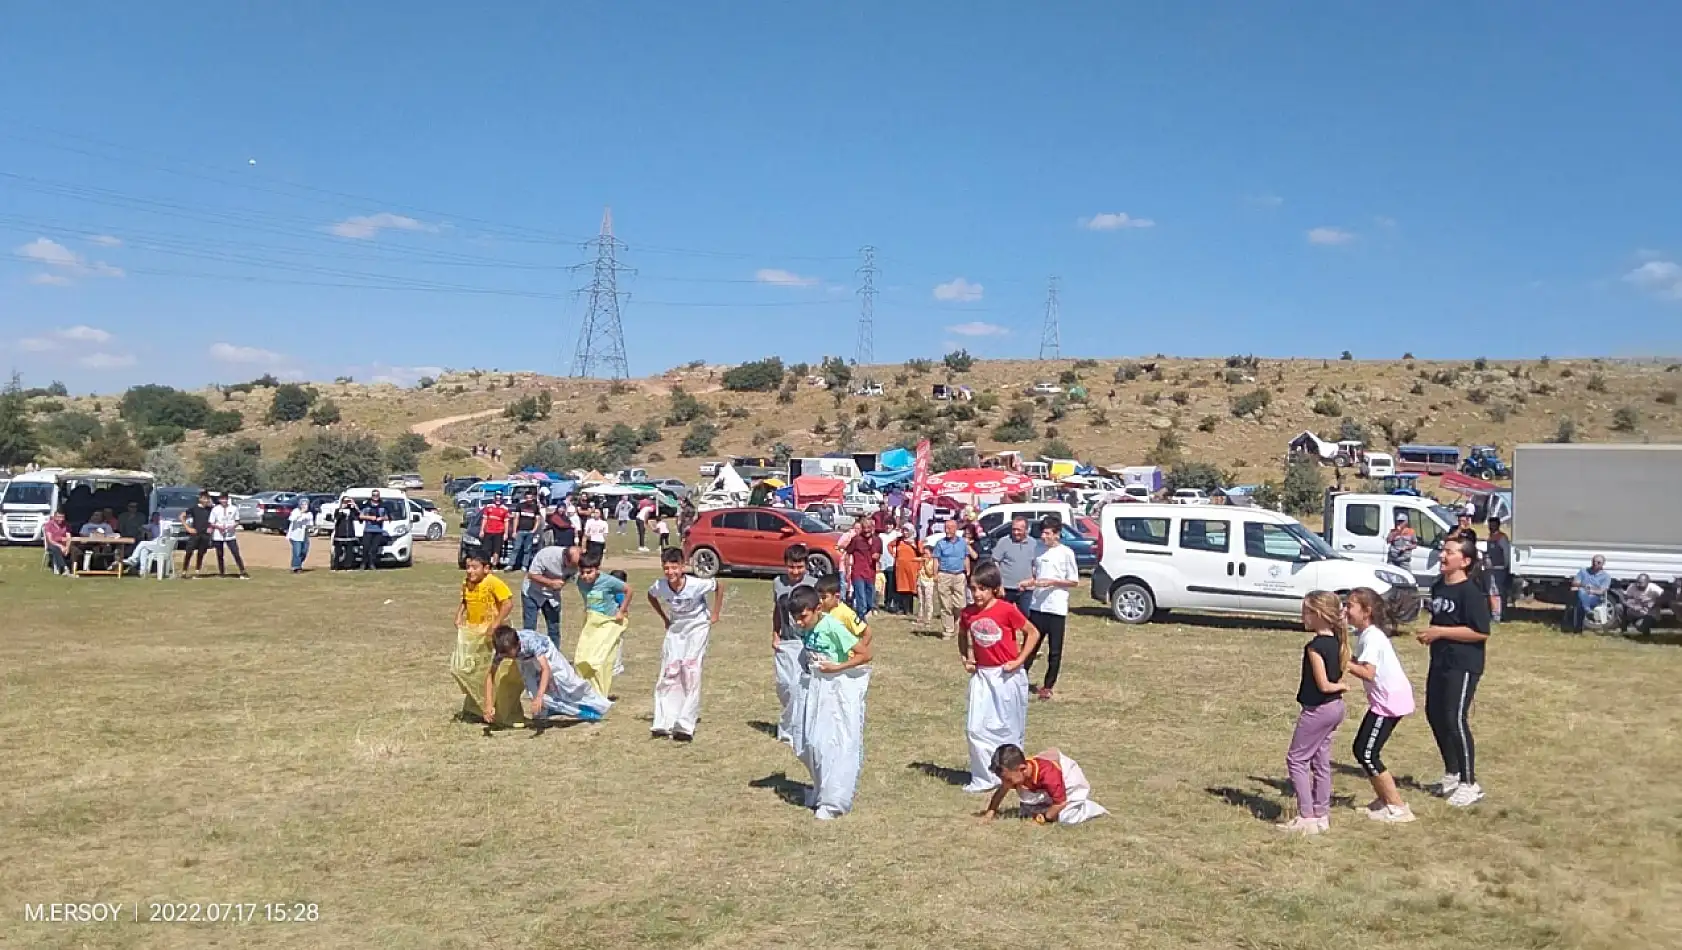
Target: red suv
753,540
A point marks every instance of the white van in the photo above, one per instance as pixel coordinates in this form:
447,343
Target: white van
1378,465
399,549
32,497
1224,559
999,514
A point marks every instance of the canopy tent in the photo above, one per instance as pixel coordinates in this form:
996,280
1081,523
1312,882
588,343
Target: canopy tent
978,485
1310,444
728,481
810,489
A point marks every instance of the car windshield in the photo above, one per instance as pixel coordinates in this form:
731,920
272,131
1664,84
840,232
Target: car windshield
177,498
811,524
29,493
1448,515
1312,542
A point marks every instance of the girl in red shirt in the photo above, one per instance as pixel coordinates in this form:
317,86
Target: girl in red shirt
994,640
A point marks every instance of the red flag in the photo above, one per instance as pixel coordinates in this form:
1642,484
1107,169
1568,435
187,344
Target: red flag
919,479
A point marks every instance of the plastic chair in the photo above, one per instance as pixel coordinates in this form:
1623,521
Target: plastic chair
161,558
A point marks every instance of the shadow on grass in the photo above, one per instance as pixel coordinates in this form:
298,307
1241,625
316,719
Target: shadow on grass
1209,621
769,728
1402,781
1284,787
931,634
1263,809
787,789
948,775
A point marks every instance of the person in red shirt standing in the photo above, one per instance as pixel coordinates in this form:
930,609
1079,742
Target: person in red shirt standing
994,640
493,529
864,555
1051,787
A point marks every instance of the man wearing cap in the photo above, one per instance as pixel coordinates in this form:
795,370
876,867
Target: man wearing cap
1402,542
374,517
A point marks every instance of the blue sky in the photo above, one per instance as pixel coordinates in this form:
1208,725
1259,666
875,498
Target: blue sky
225,189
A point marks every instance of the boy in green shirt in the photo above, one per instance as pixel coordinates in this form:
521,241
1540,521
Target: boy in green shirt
836,678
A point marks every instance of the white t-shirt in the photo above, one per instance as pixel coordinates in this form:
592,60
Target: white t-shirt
688,607
224,522
1054,564
300,524
1389,694
595,531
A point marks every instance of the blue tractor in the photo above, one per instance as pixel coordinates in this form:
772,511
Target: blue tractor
1403,484
1484,462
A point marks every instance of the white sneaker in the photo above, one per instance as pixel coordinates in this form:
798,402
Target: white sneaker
1466,795
976,787
1324,822
1392,814
1446,786
1301,826
826,814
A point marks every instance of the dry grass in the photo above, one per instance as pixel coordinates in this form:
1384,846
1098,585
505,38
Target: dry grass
290,738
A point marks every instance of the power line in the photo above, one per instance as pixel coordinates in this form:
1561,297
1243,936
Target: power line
864,353
601,340
1051,339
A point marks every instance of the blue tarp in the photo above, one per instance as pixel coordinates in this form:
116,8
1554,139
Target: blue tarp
894,459
883,479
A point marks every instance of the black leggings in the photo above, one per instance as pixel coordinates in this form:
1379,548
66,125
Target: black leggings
1050,627
232,547
1448,700
1369,742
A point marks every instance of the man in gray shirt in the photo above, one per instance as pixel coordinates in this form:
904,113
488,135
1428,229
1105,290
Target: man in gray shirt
546,578
1015,557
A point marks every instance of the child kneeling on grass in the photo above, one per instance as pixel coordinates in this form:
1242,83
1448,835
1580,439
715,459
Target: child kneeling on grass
554,687
1050,787
835,678
681,603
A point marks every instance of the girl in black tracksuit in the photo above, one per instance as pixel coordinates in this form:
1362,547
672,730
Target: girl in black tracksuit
1458,632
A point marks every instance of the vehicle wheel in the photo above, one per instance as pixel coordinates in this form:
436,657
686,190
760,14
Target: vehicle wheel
435,533
1487,475
461,562
705,562
1614,619
1132,603
820,564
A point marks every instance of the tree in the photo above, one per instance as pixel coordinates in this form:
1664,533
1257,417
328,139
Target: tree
236,468
620,445
150,437
1566,433
154,405
18,442
1018,426
325,413
164,462
332,462
403,454
69,430
945,458
111,448
223,422
1327,405
549,455
1186,474
759,376
836,374
1301,493
650,433
291,403
1351,431
1346,355
426,382
684,408
845,439
530,408
698,440
959,361
1625,419
1251,403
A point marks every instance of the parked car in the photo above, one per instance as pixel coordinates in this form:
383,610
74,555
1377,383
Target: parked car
249,508
752,540
459,484
1190,496
1226,560
831,514
1003,514
430,526
709,469
406,481
275,508
1086,549
169,501
676,487
1046,389
399,548
868,389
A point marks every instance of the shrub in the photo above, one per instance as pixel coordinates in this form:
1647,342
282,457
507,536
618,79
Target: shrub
1251,403
1150,398
1350,429
1327,405
1625,419
1666,397
548,455
1180,397
1566,372
683,408
1407,356
1480,364
111,448
1185,474
698,440
1058,409
453,453
403,454
919,366
68,430
530,408
46,407
1166,451
236,468
1018,425
959,361
1086,364
759,376
325,413
165,464
1301,493
332,462
1208,423
1542,389
1126,372
1418,388
151,437
426,382
1098,418
947,457
1069,378
589,431
1566,433
986,402
152,405
1596,383
223,422
1346,355
1057,449
290,403
1498,413
883,417
797,373
1477,396
602,404
785,395
620,445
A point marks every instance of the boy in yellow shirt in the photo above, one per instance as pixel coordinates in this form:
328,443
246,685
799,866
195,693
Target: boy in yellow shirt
829,601
485,605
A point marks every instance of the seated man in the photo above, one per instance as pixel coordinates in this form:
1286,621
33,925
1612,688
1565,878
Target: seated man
1589,589
1641,604
132,522
97,558
56,533
152,545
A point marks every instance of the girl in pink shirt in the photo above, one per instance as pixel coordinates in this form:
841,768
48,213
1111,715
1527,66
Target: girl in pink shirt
1389,698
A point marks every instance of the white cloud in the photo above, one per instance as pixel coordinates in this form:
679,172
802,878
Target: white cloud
365,226
106,240
80,333
64,261
1661,277
1114,221
107,360
783,278
244,355
977,328
1330,235
958,290
50,280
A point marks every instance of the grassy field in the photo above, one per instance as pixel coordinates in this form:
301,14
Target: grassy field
291,739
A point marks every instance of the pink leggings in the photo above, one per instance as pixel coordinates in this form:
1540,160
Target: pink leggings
1309,759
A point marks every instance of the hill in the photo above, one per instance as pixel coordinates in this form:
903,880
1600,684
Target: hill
1237,413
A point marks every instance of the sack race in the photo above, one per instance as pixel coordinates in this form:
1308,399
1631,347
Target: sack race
1080,805
833,737
998,714
597,646
791,692
569,695
469,664
677,693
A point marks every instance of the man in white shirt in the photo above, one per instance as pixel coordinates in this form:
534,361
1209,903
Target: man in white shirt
224,530
1055,573
299,526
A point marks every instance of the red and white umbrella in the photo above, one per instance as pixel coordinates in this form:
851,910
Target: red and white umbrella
976,484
